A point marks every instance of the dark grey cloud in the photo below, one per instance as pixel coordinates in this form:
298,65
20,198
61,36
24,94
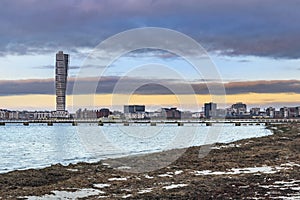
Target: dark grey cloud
24,87
249,27
276,86
52,67
243,61
146,52
107,85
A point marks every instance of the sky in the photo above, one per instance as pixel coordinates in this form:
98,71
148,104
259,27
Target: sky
253,44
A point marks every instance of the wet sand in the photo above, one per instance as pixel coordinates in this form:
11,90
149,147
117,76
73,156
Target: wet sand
256,168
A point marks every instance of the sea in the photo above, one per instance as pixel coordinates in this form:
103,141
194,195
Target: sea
38,145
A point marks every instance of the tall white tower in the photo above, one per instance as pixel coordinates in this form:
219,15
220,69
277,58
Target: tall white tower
61,75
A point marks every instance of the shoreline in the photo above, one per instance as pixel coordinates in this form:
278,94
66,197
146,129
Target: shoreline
248,168
35,160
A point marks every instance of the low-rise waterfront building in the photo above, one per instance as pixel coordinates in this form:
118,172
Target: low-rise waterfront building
42,115
284,112
116,115
85,114
270,112
170,113
186,115
255,112
135,112
103,112
134,108
155,114
239,109
3,114
136,115
198,115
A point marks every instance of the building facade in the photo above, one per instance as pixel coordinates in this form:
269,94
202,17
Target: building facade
170,113
134,108
239,109
270,112
210,110
103,112
135,112
85,114
255,112
61,74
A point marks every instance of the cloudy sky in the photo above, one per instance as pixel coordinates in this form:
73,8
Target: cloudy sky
255,46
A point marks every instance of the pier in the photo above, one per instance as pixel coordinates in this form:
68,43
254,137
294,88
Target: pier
99,122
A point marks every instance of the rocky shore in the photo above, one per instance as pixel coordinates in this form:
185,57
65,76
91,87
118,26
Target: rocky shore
256,168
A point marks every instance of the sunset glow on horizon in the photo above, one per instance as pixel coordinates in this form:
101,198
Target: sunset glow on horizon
152,102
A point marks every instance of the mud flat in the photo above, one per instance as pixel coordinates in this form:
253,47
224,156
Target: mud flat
256,168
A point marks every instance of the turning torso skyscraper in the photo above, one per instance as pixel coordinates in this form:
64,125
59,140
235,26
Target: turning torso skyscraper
61,74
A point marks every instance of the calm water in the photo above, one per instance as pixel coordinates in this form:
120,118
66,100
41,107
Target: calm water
39,145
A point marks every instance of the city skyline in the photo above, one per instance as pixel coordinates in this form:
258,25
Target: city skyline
253,44
238,110
208,108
